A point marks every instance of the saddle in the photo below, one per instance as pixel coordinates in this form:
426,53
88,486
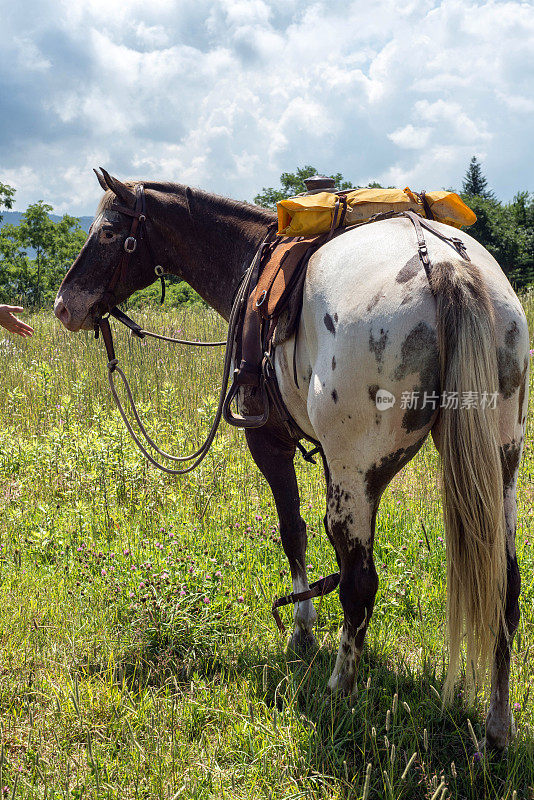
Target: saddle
269,317
272,305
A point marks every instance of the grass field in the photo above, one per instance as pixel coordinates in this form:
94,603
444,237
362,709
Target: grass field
139,658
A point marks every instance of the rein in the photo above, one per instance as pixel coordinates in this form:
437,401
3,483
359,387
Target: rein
113,368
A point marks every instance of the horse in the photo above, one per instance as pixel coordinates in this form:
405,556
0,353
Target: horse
374,324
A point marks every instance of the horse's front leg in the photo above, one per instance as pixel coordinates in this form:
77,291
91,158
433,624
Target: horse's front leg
274,453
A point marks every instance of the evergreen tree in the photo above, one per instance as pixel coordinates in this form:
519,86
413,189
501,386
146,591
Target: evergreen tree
475,182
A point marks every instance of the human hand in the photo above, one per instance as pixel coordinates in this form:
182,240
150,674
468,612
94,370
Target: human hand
9,321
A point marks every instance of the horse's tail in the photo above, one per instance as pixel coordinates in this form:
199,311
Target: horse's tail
471,468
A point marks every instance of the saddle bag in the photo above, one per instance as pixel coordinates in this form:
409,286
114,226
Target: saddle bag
307,215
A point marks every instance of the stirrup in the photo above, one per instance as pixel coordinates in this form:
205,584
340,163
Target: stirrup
238,420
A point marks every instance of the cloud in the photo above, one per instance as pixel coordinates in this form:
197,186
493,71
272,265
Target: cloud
410,137
227,94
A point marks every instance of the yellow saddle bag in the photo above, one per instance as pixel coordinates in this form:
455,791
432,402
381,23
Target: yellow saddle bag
312,214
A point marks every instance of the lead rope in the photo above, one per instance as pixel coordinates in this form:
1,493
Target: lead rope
113,368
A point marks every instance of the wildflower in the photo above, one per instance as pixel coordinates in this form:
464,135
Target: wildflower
240,599
218,574
309,566
206,599
182,593
103,572
517,706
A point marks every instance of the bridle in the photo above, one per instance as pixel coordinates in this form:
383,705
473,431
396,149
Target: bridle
138,232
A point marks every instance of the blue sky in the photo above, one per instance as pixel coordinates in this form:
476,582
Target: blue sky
227,94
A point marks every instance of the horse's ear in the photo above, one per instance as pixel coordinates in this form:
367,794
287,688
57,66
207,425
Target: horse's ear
101,180
120,189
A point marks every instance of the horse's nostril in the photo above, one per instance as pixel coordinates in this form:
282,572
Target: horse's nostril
62,312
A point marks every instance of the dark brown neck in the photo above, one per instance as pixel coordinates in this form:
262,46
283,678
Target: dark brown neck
204,239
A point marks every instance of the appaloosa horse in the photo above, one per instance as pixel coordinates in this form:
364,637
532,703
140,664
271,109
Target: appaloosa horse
452,347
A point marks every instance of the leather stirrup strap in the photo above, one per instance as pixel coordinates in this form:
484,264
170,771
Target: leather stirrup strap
318,589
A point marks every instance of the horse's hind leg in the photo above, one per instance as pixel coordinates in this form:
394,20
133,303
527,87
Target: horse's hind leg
350,518
273,452
499,721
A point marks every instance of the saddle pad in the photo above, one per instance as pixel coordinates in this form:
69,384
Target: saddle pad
279,273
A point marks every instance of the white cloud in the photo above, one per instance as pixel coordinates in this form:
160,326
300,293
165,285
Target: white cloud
410,137
226,94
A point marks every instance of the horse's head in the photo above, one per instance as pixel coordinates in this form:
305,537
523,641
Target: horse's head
113,263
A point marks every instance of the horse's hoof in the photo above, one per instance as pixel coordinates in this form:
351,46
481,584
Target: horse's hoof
499,736
302,643
343,685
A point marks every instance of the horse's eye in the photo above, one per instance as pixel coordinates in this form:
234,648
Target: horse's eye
109,234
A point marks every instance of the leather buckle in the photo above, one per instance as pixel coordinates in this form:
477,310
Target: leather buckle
130,244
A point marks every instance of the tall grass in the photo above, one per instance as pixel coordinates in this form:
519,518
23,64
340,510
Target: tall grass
139,658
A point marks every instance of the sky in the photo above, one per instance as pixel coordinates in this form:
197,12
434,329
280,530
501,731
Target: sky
227,94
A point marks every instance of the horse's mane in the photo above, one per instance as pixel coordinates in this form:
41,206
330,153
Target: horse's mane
237,208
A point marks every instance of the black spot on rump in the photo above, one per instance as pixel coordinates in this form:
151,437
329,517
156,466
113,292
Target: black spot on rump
509,372
409,270
511,336
329,324
419,355
334,395
372,303
377,346
372,391
333,362
511,375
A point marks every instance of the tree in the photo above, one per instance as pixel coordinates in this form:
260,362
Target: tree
507,231
474,182
7,196
293,184
55,245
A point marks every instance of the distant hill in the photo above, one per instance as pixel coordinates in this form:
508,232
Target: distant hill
14,217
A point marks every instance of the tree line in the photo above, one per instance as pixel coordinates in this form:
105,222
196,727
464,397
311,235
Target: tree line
36,253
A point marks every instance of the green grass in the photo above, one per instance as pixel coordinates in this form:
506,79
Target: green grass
139,658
